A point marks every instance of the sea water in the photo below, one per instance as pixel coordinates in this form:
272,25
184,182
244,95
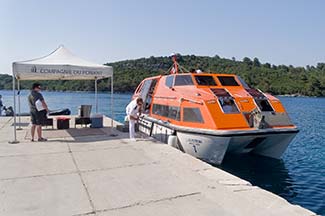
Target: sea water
299,176
72,100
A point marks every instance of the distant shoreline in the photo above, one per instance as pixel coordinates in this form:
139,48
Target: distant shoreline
279,79
71,91
121,92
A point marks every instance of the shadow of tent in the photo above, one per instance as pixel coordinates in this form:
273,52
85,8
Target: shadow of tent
77,132
95,134
92,134
20,124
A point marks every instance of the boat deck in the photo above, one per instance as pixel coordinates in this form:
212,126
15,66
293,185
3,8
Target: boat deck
100,172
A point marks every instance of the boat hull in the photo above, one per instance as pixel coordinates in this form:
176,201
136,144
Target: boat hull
269,145
211,146
211,149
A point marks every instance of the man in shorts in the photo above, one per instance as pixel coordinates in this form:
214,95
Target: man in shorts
37,112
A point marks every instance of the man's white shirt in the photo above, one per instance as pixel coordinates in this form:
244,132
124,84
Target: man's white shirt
132,108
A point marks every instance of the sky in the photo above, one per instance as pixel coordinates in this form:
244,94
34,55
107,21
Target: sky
290,32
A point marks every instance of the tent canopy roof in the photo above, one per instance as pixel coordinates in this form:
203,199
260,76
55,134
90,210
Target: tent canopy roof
60,64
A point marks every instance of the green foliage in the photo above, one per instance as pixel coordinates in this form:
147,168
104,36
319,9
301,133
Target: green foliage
256,62
5,81
128,74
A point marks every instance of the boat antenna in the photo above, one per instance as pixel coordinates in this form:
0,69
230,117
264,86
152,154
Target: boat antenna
174,69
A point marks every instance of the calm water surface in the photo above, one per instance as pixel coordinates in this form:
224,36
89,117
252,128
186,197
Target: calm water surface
72,100
299,176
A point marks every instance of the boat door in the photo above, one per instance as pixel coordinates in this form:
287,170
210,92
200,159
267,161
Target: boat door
147,93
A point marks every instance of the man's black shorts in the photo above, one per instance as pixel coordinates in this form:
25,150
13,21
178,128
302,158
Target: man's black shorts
38,117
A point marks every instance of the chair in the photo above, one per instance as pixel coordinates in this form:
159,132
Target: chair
48,122
84,115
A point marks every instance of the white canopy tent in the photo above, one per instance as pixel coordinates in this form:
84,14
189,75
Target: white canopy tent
61,64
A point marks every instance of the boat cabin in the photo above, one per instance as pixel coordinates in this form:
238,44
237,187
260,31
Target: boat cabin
210,101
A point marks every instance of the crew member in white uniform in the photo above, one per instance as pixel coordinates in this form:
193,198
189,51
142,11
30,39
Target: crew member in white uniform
133,111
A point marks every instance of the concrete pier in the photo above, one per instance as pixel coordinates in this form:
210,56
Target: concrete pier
100,172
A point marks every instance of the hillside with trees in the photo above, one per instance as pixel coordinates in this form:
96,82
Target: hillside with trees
276,79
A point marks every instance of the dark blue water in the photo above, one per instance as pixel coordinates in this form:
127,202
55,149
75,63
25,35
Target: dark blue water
299,176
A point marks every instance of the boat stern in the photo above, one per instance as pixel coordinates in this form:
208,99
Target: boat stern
270,142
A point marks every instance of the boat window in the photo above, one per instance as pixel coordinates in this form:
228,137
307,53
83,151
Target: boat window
181,80
171,112
255,93
220,92
192,115
148,98
139,88
169,81
228,105
228,81
161,110
144,93
264,105
205,80
244,84
145,88
153,86
174,113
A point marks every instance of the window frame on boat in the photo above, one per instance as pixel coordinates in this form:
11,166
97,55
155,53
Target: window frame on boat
204,76
243,83
168,79
233,104
139,88
151,85
186,117
222,79
188,82
260,98
167,111
265,107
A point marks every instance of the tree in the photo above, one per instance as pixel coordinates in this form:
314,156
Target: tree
314,87
247,61
320,66
267,65
256,62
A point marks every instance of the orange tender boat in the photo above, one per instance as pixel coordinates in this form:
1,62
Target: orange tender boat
208,115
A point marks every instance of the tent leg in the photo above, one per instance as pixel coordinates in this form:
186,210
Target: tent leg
96,96
18,93
112,101
15,141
